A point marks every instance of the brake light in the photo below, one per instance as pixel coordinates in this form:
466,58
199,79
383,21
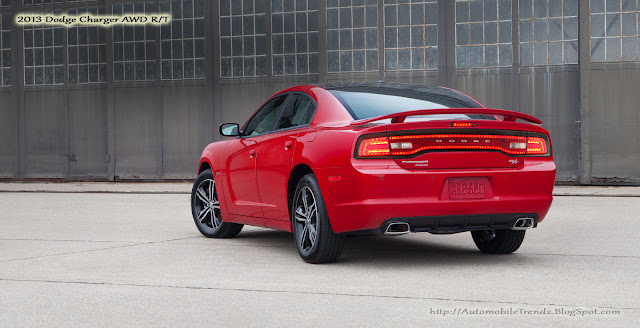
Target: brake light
462,124
374,147
536,146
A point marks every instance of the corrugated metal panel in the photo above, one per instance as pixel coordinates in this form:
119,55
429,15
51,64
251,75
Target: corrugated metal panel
187,127
9,136
615,120
47,134
88,134
137,130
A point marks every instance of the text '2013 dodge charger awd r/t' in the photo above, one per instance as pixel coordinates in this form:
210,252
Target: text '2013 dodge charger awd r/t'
327,162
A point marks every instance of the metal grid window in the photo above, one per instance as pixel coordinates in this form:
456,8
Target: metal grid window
5,3
614,30
352,35
483,33
5,49
410,35
87,54
41,2
43,54
294,26
183,40
134,50
243,40
548,32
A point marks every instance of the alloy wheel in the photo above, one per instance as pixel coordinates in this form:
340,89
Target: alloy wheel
306,219
207,205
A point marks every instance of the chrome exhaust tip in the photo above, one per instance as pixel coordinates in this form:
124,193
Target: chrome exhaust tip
397,228
524,224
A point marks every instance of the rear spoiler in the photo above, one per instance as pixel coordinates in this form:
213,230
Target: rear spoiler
509,116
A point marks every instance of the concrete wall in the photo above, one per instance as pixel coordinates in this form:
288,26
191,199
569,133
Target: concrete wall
156,129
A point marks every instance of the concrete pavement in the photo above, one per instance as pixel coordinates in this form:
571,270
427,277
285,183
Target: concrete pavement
185,188
122,259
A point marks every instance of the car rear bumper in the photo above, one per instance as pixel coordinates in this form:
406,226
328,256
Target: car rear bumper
373,192
455,223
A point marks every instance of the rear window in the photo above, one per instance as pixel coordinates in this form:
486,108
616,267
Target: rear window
363,103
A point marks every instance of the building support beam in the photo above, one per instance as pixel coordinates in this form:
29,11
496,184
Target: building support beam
515,46
446,43
584,61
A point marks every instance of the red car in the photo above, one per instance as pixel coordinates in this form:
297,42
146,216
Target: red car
327,162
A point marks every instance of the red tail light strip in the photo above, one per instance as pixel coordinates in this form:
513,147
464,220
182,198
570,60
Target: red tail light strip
460,142
413,144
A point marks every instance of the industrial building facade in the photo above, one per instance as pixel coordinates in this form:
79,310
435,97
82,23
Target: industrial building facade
141,102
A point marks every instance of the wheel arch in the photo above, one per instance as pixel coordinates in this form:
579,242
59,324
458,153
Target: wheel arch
204,165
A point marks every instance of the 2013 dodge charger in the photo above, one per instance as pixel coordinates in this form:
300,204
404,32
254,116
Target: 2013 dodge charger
327,162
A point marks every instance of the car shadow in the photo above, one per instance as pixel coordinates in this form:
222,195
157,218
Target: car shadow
378,250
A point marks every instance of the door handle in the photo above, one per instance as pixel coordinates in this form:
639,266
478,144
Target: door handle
288,145
252,153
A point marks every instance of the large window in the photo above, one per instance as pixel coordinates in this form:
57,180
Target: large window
614,30
134,52
87,50
43,54
294,26
183,40
352,36
548,32
5,49
483,33
243,41
411,35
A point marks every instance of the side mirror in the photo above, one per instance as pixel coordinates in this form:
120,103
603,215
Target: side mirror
229,129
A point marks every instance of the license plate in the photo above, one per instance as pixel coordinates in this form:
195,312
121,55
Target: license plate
467,188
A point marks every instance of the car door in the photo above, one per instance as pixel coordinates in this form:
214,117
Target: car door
240,160
275,155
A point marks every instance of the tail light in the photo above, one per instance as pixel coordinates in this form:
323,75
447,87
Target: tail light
537,146
374,147
382,146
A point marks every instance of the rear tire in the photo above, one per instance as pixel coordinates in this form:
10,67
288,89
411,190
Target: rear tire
205,209
314,237
498,241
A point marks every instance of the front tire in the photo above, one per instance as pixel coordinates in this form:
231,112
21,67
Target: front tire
498,241
314,237
205,209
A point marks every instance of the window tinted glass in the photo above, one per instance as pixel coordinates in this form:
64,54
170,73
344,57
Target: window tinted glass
265,117
296,112
363,103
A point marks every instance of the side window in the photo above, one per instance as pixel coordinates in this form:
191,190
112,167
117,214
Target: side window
265,117
299,111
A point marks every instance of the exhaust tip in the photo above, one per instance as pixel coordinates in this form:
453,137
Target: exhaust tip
397,228
523,224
